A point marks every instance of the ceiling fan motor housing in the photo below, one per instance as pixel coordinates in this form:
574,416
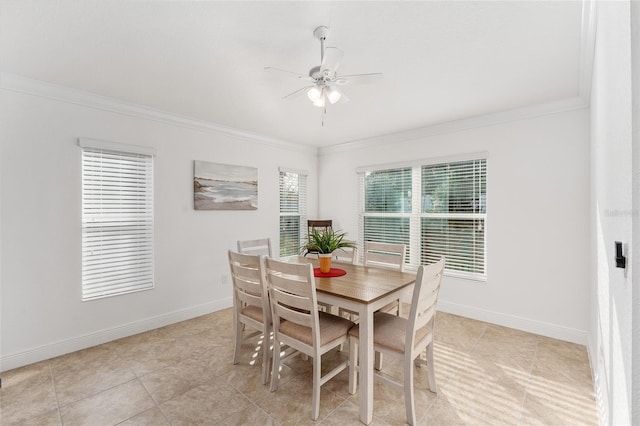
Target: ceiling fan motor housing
321,75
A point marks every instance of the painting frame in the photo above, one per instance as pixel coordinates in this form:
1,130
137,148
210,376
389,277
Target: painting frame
220,186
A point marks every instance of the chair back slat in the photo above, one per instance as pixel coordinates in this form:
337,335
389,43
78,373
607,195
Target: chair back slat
287,312
292,284
292,291
260,246
249,281
345,255
384,255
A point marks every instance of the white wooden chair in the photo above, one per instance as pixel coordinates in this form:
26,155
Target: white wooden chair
345,255
387,256
250,305
261,246
298,324
384,255
406,338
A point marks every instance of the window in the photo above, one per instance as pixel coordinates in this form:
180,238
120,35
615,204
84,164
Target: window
293,211
434,209
117,219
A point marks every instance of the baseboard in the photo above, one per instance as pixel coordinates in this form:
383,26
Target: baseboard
19,359
511,321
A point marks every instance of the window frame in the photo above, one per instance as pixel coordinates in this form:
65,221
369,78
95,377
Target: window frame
301,212
108,215
416,215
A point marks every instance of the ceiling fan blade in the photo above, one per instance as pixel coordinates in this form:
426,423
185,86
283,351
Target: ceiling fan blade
372,78
297,93
291,73
331,59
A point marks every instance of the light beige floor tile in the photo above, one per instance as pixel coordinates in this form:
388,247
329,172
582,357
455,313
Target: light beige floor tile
544,406
52,418
443,413
251,415
339,385
131,342
90,381
563,372
206,404
389,404
109,407
564,349
248,380
488,390
447,360
20,375
169,382
27,393
291,402
86,359
457,332
151,417
348,414
154,355
511,347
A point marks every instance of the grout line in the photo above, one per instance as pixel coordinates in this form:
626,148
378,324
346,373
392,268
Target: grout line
526,389
155,402
55,392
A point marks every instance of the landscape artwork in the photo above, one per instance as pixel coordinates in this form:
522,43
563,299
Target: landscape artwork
224,186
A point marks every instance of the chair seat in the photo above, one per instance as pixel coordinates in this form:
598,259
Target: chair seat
332,327
252,312
390,332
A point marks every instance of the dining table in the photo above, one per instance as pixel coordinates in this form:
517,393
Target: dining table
364,290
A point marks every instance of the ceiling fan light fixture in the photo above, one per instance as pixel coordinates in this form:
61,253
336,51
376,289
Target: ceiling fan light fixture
314,94
333,95
319,103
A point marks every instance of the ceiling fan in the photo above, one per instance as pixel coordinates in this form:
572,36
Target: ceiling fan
326,85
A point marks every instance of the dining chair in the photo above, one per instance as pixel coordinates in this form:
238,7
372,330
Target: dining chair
260,246
298,323
319,224
250,305
345,255
387,256
404,338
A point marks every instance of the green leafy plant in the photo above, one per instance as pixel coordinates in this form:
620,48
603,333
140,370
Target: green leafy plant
325,241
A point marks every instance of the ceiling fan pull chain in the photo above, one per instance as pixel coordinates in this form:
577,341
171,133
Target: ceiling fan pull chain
324,106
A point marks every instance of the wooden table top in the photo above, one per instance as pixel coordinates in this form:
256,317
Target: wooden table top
361,284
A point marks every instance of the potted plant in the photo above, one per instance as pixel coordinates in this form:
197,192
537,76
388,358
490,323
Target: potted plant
324,242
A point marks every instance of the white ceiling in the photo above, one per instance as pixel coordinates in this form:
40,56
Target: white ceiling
441,61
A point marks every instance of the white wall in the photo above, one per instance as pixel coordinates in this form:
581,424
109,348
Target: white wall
610,339
41,311
537,223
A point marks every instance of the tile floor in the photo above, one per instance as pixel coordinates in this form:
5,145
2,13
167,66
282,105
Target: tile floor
182,374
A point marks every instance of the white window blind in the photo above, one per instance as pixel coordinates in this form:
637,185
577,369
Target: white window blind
387,206
293,211
117,222
434,209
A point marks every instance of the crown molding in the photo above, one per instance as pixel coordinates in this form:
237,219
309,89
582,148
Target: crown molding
21,84
523,113
587,49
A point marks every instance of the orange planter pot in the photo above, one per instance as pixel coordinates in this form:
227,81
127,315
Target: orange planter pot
325,262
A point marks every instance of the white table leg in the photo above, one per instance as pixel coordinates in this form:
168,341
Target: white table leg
366,365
